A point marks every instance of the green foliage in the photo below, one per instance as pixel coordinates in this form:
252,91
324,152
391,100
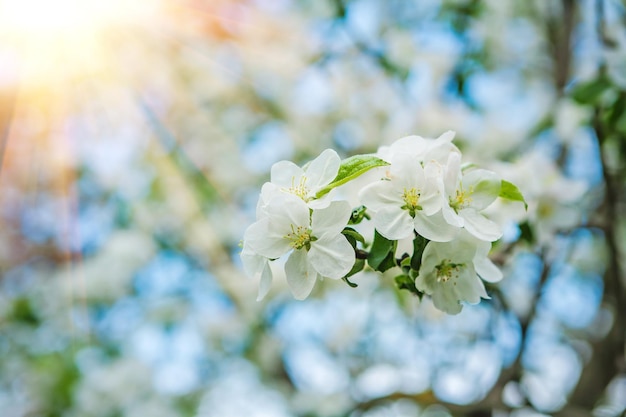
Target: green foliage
617,113
22,311
358,214
405,282
526,232
509,191
419,243
352,168
590,92
359,264
353,236
59,375
410,267
382,253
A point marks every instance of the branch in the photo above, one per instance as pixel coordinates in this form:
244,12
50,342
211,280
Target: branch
561,43
608,354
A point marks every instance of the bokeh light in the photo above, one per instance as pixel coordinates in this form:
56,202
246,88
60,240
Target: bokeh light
135,137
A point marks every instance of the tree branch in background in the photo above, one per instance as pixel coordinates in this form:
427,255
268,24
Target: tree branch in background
561,36
608,359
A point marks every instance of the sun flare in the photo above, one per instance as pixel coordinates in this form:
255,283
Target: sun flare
42,40
34,18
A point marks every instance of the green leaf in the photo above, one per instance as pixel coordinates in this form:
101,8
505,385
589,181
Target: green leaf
405,262
358,214
358,266
23,312
617,113
381,256
489,186
509,191
350,169
387,263
350,283
590,92
526,232
419,243
467,166
353,236
405,282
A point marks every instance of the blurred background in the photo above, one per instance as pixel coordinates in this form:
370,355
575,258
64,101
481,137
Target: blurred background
135,136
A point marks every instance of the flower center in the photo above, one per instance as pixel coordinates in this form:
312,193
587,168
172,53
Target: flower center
300,237
447,270
300,189
545,209
461,200
411,199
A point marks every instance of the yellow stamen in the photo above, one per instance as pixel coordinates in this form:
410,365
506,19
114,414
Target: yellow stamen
447,270
411,198
300,237
462,199
300,189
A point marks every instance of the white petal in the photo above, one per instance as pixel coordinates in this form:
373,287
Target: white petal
407,172
445,300
431,256
300,277
485,186
440,149
332,256
268,192
435,227
463,248
266,282
432,196
379,194
286,174
482,248
331,219
408,145
452,174
468,286
446,137
480,226
259,240
487,269
323,169
320,203
286,210
252,263
393,223
426,281
451,216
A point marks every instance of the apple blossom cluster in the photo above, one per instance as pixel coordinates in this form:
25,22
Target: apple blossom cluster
423,193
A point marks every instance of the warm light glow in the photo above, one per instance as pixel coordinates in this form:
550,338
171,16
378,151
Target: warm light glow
47,39
61,17
31,17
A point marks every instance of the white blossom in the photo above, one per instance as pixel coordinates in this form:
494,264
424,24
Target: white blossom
421,149
315,243
257,267
468,194
305,183
450,272
408,200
